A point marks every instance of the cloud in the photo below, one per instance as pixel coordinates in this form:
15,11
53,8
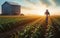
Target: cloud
26,8
33,1
57,2
31,4
45,2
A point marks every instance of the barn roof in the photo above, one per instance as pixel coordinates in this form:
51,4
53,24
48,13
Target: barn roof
12,3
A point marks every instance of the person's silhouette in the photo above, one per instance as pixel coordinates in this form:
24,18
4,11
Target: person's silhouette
47,14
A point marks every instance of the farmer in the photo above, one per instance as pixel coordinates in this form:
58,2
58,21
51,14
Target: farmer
47,14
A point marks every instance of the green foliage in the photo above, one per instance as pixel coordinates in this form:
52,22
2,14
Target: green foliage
35,29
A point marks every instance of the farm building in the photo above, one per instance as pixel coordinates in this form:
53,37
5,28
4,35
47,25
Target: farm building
11,8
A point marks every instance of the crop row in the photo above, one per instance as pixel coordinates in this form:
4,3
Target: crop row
32,30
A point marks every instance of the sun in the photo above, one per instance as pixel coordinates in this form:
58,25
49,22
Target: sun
37,11
40,12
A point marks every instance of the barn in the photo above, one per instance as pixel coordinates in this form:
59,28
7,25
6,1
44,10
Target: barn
11,8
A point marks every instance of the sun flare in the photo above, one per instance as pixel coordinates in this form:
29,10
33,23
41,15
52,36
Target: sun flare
37,10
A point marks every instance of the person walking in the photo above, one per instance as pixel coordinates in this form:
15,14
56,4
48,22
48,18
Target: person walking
47,14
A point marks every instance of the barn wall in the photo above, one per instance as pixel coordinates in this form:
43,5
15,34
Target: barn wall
6,9
16,10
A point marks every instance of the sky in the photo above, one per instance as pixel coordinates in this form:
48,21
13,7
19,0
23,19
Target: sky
37,7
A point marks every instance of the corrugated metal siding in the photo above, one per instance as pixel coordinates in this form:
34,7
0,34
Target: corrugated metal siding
10,9
6,9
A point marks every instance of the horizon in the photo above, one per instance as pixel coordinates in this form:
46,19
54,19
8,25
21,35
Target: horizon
36,7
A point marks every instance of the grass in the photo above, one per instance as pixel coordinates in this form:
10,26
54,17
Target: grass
33,29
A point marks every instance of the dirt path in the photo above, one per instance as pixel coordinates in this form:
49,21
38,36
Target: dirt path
52,30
